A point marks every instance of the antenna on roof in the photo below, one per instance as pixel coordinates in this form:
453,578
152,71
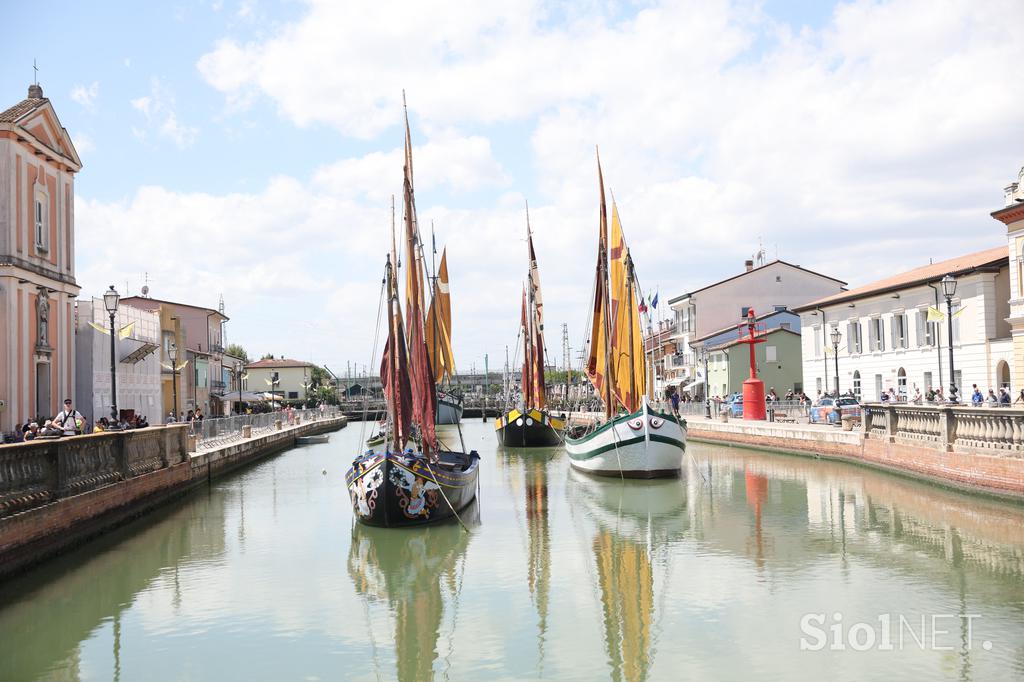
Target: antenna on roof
759,256
220,306
35,77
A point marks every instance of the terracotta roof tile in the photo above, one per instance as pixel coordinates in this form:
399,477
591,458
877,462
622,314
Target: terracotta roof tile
20,109
932,272
278,364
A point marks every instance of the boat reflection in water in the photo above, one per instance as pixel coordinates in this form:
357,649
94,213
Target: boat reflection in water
409,570
629,526
534,464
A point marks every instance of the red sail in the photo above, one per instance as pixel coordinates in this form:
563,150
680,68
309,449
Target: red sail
424,396
527,383
394,377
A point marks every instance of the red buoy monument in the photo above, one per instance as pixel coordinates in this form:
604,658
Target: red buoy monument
753,388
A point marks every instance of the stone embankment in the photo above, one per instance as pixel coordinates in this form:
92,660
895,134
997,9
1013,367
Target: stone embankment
55,494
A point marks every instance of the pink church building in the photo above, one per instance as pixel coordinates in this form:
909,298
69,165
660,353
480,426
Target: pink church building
38,163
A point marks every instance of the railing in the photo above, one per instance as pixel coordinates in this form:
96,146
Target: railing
216,432
949,427
46,469
218,385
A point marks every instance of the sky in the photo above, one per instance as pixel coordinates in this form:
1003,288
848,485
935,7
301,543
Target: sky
249,149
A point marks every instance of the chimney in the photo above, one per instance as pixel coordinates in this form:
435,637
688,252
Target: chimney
749,264
35,91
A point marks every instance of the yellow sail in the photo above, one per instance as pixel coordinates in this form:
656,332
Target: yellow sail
597,362
439,325
626,578
629,381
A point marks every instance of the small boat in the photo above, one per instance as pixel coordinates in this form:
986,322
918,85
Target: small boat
632,440
449,407
530,425
310,440
399,485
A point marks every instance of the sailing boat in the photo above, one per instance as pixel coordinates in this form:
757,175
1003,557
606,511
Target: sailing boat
410,482
633,440
530,425
439,345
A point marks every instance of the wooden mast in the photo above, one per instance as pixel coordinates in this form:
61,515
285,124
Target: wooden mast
609,409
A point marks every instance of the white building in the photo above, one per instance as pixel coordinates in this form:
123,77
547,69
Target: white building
287,379
777,285
888,342
138,364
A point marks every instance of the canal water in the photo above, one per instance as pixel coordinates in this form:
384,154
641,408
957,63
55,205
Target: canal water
752,566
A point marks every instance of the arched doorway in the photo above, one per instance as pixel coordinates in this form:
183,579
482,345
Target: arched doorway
1003,374
901,383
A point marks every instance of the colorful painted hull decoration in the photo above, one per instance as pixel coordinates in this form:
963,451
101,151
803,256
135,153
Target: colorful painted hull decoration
406,490
644,444
534,428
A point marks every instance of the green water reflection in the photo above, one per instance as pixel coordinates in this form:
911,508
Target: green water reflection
560,576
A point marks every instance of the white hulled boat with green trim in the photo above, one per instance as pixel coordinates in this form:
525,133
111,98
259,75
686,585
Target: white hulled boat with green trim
632,440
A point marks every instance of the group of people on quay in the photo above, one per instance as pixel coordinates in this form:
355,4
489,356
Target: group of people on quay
71,422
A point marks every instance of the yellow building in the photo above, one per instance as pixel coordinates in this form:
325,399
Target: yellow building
286,379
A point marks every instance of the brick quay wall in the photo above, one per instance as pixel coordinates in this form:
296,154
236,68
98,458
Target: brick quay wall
57,494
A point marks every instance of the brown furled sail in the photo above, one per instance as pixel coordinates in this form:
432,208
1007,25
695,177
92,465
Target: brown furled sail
424,396
527,356
394,369
536,302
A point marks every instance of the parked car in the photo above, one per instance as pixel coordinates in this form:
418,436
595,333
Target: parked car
825,411
734,401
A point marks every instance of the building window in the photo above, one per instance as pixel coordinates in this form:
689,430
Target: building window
958,381
901,383
817,342
744,311
927,332
878,387
854,343
856,383
877,328
42,227
770,354
927,381
779,308
817,385
899,331
292,395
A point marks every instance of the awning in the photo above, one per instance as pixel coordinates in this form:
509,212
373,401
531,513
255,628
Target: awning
690,385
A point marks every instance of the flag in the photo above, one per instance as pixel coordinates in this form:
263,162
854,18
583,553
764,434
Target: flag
654,301
642,307
935,315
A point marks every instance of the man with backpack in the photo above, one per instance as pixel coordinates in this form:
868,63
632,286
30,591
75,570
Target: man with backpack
69,420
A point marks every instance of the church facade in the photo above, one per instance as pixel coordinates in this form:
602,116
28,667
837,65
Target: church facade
38,163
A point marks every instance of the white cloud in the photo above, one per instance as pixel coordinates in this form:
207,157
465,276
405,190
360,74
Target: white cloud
83,143
86,96
158,108
857,149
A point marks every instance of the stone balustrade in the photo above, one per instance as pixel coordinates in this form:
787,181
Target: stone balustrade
948,427
45,470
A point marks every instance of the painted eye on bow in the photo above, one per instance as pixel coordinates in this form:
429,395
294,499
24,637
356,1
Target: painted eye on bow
656,422
636,424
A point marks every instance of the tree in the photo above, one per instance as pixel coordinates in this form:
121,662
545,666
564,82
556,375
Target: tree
267,356
236,350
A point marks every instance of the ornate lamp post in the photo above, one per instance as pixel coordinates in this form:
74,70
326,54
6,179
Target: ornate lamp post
172,353
836,338
707,383
238,378
949,290
110,301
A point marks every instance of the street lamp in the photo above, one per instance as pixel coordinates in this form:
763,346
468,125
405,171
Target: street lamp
172,353
707,384
949,290
110,301
836,338
238,378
